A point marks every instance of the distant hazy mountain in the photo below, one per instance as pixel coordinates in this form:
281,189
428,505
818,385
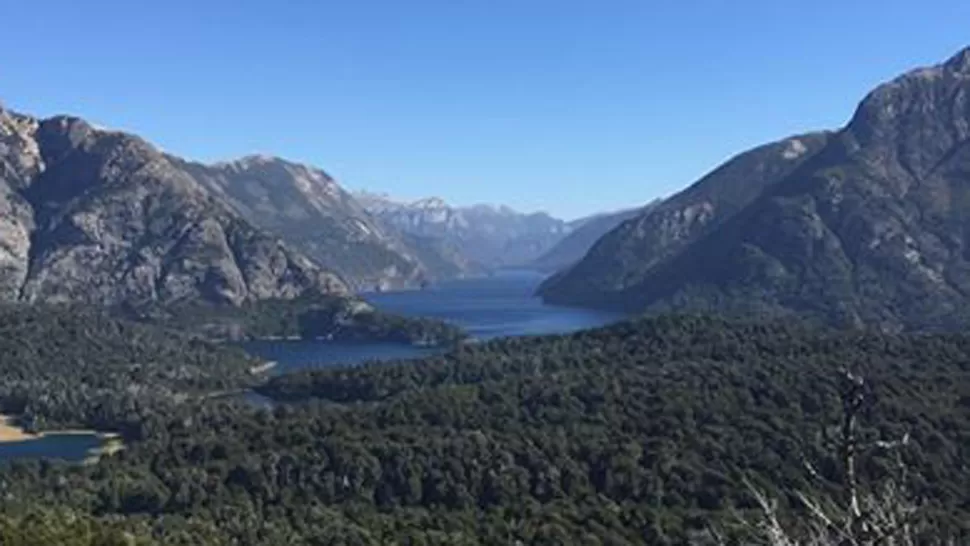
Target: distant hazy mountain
309,210
584,234
870,225
491,236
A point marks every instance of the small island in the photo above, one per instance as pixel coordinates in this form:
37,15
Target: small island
320,317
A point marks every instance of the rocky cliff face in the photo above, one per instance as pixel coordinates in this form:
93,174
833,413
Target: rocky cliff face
490,236
103,217
873,228
20,163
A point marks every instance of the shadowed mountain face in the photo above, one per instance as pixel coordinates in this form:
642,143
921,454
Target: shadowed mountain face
488,236
622,258
585,232
869,226
103,217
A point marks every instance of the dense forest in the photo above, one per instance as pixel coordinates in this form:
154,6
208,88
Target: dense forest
643,432
63,367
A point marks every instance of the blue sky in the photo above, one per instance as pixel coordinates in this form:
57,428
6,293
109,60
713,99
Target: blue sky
567,106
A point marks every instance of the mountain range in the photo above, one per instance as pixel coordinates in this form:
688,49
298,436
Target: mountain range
313,213
101,216
866,225
489,236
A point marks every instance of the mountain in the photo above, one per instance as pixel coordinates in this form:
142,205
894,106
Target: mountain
871,228
103,217
584,234
487,235
624,256
309,210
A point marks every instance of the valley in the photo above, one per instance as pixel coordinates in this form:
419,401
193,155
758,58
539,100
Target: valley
245,352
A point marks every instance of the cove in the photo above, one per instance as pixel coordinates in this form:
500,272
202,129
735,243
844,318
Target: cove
73,445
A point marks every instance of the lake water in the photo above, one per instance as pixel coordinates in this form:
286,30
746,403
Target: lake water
487,307
69,447
497,306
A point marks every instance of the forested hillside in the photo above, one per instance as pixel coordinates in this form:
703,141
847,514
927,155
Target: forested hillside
63,367
638,433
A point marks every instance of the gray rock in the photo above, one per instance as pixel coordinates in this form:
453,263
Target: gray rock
103,217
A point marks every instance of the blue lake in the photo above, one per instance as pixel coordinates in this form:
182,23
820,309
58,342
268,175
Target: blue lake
69,447
500,305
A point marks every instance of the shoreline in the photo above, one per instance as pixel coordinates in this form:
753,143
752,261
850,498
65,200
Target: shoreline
11,433
263,368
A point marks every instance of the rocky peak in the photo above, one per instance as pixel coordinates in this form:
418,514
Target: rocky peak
430,203
20,158
308,180
916,119
959,64
259,161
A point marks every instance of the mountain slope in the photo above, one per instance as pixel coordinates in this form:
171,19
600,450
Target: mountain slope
103,217
585,232
311,211
873,229
624,256
490,236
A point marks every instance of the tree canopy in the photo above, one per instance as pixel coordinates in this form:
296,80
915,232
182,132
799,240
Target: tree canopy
644,432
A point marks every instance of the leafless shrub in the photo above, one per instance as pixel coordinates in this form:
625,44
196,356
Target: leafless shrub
878,514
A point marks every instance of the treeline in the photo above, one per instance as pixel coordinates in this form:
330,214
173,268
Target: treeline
35,527
642,433
309,317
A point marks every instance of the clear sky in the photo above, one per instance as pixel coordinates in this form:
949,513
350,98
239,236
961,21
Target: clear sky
569,106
